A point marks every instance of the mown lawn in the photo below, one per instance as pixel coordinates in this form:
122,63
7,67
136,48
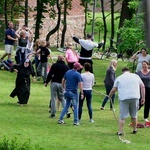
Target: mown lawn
32,122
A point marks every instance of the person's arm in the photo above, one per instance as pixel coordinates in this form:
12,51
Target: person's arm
17,33
135,55
142,87
75,39
63,83
112,92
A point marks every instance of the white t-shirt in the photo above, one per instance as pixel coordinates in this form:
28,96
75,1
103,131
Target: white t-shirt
88,80
128,85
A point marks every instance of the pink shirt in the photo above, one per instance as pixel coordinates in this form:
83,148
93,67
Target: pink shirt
71,56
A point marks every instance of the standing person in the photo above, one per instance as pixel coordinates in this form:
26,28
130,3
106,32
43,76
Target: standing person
71,55
70,82
87,47
10,38
109,82
141,56
22,89
88,82
44,54
128,86
55,76
144,74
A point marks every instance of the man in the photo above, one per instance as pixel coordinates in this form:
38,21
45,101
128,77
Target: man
70,82
87,47
10,39
129,86
55,75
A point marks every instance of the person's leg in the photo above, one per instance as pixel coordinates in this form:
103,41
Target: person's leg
53,89
11,48
147,103
6,52
121,124
44,71
39,70
112,101
134,123
80,106
88,101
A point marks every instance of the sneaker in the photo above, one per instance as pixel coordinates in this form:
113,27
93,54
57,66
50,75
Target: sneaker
68,114
60,121
112,109
146,120
119,133
76,123
134,132
52,116
102,108
91,120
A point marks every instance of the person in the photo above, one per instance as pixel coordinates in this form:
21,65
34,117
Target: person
87,47
22,88
71,55
141,56
55,76
129,86
144,74
70,82
88,82
10,39
44,54
109,81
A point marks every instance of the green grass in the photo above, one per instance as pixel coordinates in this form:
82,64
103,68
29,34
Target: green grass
32,122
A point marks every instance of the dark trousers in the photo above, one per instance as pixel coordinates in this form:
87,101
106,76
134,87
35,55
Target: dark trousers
83,61
147,102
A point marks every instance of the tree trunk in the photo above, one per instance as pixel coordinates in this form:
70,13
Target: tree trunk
26,12
64,24
58,22
112,23
5,13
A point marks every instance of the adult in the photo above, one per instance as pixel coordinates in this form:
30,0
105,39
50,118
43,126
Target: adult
87,46
129,86
10,38
88,82
22,88
109,82
141,56
71,55
144,74
70,82
55,76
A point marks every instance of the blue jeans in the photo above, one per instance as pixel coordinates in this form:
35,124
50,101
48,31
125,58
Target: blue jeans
88,96
71,98
108,89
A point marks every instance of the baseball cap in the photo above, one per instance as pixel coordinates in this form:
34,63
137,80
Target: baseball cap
77,66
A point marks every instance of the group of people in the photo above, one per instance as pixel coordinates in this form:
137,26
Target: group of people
65,79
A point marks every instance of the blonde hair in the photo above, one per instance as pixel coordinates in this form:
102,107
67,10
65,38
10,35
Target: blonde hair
112,64
22,33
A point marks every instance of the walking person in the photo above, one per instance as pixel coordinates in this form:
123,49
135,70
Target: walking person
87,47
70,82
55,76
109,82
10,39
144,74
88,82
129,86
22,87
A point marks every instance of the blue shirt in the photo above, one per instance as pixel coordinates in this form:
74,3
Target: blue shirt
10,32
72,78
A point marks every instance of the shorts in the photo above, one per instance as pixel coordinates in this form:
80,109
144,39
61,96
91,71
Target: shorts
9,49
129,107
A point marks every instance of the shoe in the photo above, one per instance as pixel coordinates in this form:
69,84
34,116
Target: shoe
76,123
112,109
49,111
91,120
52,116
119,133
102,108
68,114
134,132
146,120
60,121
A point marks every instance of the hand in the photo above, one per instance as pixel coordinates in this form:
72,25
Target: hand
45,84
142,101
82,96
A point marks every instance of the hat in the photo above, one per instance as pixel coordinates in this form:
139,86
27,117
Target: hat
27,60
77,66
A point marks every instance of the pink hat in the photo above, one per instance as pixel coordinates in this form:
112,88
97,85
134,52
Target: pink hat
77,66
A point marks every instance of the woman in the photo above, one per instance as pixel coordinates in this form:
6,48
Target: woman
109,81
71,56
141,56
144,74
88,82
22,89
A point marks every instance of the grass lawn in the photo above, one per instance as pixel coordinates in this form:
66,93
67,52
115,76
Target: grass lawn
32,122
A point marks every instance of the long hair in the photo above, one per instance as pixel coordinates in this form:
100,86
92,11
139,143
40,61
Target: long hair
112,64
